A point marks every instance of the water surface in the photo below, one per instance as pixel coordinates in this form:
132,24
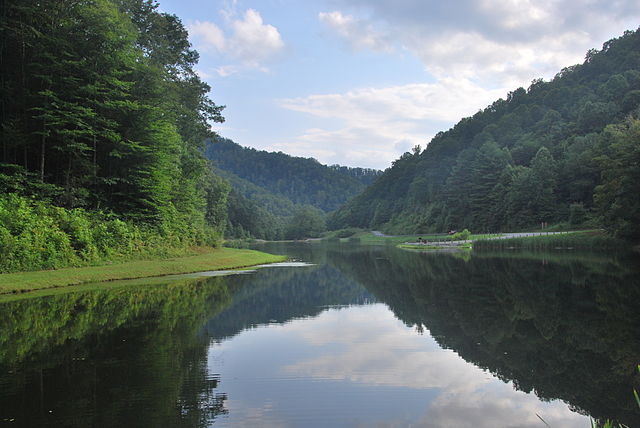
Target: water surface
355,336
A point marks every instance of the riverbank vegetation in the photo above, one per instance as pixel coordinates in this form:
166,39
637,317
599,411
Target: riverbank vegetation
368,237
565,150
104,122
207,260
592,240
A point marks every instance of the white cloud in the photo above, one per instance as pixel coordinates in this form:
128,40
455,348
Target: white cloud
468,396
253,41
209,34
249,44
477,50
493,42
359,33
379,124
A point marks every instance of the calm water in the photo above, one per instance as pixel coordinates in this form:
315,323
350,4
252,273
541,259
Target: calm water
363,337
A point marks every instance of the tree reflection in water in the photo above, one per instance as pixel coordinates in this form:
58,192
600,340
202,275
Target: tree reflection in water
564,326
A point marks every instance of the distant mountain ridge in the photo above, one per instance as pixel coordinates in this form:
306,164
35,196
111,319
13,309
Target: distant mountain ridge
269,189
300,180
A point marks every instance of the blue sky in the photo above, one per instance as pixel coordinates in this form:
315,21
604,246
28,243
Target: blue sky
359,82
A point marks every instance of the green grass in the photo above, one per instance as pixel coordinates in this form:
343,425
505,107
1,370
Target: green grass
335,235
612,424
369,238
209,259
466,246
597,240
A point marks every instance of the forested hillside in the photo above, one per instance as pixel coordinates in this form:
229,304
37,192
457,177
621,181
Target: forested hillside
301,180
103,128
567,150
271,190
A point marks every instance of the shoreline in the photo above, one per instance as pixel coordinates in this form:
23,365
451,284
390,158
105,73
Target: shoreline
215,259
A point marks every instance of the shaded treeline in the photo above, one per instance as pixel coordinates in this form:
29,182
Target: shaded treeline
101,111
563,151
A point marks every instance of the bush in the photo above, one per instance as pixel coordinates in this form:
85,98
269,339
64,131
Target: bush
577,214
461,236
35,235
346,233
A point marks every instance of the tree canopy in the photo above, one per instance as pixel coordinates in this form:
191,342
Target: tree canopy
101,110
544,154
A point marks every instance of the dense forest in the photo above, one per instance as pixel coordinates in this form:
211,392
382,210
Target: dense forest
301,180
103,125
275,195
562,151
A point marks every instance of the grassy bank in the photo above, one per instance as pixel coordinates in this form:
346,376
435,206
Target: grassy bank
209,259
366,237
592,240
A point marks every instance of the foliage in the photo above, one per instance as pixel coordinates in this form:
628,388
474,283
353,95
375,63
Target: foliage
616,198
102,111
247,218
307,222
269,188
346,233
561,151
583,240
35,235
461,236
303,181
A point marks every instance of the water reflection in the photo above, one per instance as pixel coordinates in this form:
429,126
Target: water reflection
277,295
366,337
391,378
562,326
122,356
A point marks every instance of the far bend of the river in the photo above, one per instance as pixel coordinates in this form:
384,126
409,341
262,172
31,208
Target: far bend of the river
363,336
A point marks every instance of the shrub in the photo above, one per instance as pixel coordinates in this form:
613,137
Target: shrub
35,235
461,236
346,233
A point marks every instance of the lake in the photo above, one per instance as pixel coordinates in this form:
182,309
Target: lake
353,336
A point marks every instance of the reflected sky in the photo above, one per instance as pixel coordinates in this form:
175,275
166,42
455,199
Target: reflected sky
377,372
318,345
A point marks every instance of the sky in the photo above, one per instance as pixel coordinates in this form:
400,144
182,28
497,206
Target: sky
359,82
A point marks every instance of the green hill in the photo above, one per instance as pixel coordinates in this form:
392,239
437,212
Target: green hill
270,188
301,180
566,150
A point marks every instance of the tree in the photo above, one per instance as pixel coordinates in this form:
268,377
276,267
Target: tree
307,222
487,168
544,176
616,198
103,107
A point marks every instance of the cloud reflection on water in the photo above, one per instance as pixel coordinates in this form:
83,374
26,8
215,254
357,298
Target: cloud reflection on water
367,346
